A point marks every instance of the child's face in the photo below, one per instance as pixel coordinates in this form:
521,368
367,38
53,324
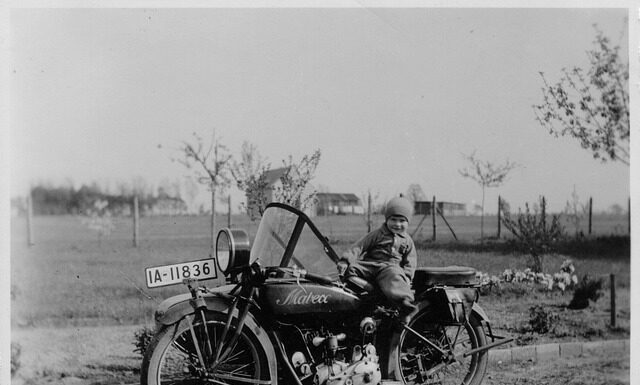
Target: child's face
397,224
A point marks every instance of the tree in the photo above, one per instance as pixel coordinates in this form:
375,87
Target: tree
415,193
250,177
211,165
295,181
534,232
593,105
486,174
616,209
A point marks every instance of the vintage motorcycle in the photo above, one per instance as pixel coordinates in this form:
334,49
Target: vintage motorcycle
287,316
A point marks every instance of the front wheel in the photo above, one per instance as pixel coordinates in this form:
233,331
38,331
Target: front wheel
415,361
176,355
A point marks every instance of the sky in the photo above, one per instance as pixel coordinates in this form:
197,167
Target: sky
391,96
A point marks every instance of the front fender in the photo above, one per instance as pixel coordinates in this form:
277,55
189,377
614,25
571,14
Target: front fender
174,309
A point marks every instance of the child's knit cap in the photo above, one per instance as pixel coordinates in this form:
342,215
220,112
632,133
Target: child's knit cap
398,206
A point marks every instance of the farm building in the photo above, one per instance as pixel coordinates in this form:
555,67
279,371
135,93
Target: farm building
336,203
165,205
446,208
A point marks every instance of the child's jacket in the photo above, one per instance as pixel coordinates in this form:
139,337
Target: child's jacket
381,245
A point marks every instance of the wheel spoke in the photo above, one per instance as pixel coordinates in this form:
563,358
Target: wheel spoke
245,380
435,356
181,361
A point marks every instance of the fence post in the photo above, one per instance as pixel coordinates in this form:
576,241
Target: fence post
30,239
369,213
229,215
590,213
136,218
612,278
499,215
433,217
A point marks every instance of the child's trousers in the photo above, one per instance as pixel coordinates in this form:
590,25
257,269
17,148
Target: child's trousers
389,278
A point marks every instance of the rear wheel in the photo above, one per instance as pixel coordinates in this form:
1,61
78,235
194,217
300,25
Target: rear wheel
414,361
172,356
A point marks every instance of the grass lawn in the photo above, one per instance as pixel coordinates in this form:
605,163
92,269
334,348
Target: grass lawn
68,278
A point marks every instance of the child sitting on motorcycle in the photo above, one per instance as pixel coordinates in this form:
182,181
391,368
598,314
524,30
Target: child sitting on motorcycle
387,257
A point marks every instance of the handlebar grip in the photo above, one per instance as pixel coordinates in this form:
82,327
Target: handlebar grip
319,278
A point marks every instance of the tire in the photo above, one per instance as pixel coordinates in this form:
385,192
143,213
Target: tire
410,358
171,356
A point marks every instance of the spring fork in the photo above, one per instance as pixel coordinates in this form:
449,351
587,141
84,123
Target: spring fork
234,339
206,334
227,326
195,343
198,303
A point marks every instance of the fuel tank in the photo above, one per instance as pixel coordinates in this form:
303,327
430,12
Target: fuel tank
291,297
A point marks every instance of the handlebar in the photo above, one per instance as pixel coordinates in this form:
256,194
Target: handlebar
299,273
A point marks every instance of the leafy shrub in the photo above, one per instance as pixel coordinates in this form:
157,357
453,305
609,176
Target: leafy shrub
534,233
541,320
142,338
587,289
16,349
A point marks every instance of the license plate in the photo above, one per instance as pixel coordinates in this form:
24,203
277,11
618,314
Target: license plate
172,274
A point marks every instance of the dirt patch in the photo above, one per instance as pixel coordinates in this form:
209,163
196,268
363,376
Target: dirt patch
589,369
104,356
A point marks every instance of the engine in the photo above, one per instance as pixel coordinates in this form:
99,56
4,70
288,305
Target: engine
339,358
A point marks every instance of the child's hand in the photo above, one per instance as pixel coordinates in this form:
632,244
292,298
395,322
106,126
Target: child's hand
349,256
342,266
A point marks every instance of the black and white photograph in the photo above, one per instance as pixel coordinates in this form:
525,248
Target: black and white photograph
319,193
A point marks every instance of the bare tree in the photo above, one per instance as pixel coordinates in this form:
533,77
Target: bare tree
211,164
140,187
250,176
486,174
535,232
295,181
591,106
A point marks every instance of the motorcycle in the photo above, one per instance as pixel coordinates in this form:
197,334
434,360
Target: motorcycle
287,316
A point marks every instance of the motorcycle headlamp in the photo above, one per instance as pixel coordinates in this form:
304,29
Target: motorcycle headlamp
232,250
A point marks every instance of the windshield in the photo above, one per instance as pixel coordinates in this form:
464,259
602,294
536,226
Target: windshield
287,238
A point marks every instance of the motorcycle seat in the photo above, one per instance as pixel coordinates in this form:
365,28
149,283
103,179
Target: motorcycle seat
447,275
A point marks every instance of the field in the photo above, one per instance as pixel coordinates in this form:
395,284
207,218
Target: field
69,278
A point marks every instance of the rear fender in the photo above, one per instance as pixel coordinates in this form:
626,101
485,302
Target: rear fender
480,313
174,309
